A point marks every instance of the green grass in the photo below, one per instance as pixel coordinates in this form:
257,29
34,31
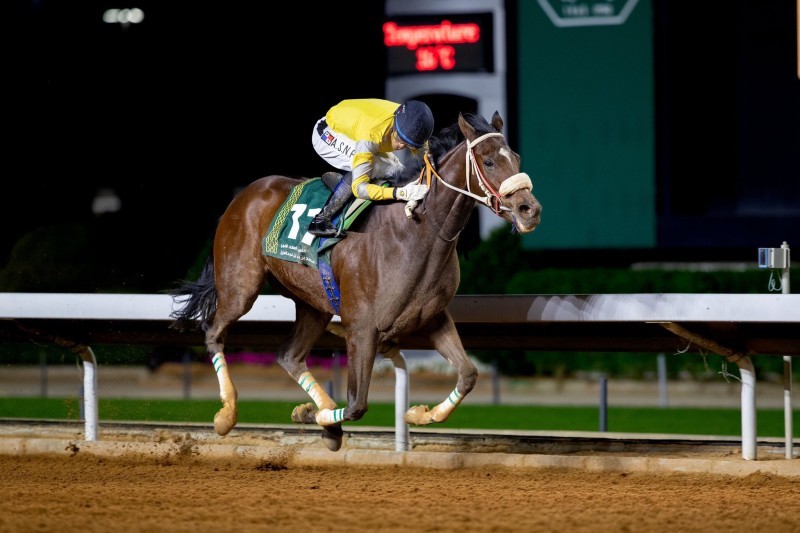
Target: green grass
670,420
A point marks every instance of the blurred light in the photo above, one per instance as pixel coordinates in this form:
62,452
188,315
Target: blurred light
123,16
106,201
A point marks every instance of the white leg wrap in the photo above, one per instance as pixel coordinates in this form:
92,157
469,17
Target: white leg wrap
222,374
315,391
224,378
226,417
328,417
442,411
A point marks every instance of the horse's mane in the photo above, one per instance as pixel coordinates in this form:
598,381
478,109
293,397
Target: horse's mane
447,139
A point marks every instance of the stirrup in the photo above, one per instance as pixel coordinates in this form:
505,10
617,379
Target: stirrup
324,228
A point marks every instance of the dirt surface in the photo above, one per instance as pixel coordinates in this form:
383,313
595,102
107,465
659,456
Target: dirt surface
152,480
59,492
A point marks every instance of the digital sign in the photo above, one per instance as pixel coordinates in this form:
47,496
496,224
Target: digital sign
439,43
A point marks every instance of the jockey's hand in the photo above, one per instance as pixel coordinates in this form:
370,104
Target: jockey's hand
411,192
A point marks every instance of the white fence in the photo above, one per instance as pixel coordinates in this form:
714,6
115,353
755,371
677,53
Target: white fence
733,325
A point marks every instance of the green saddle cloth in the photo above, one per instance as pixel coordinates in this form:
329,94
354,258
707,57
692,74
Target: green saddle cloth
288,237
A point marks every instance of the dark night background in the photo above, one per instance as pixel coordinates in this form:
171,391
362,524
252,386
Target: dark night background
174,114
177,113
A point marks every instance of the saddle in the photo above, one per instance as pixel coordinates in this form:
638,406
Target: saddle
288,238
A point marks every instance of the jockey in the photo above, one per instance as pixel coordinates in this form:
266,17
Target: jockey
359,136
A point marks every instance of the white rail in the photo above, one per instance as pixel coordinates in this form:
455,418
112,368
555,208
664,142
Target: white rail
679,314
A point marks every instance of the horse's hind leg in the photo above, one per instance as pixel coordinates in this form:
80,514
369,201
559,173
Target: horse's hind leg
309,325
445,339
237,290
228,415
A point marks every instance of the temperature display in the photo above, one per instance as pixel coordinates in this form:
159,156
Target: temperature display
441,43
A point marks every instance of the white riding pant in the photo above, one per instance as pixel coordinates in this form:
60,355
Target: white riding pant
337,149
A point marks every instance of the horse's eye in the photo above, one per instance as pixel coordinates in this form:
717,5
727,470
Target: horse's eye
488,163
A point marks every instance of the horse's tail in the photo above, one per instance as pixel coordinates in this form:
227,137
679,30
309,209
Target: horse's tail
197,300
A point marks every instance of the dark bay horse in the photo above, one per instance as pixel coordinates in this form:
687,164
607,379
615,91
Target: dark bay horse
397,274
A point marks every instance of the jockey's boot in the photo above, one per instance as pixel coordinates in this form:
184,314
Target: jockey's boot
321,225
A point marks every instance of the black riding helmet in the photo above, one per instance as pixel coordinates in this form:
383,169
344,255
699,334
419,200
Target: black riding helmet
413,121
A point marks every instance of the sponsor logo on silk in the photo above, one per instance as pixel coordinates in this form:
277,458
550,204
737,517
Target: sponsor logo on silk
341,146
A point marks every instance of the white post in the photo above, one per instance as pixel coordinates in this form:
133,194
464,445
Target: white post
662,379
401,434
787,368
787,405
748,379
748,375
89,393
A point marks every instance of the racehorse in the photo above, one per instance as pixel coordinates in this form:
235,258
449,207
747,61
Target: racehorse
397,273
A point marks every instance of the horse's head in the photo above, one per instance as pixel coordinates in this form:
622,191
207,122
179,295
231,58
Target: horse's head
494,168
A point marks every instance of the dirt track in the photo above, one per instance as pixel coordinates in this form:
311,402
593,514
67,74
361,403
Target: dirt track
187,479
183,493
170,484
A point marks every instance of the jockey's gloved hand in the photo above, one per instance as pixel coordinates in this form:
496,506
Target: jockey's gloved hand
411,192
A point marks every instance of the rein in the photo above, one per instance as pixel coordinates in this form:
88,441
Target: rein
493,199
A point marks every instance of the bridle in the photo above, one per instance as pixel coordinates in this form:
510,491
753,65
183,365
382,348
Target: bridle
492,198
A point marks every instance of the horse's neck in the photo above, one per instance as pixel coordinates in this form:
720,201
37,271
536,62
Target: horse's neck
449,209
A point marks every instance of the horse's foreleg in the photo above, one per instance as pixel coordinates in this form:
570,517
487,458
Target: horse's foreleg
226,418
445,339
361,352
421,415
359,372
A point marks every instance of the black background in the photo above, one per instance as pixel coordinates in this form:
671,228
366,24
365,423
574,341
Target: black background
176,114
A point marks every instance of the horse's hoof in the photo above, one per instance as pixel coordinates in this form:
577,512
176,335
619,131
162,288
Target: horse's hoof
418,415
224,422
332,435
305,414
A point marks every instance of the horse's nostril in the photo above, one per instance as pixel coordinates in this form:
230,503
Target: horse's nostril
531,211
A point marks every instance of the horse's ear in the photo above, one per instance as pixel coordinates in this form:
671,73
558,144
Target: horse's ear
466,127
497,122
